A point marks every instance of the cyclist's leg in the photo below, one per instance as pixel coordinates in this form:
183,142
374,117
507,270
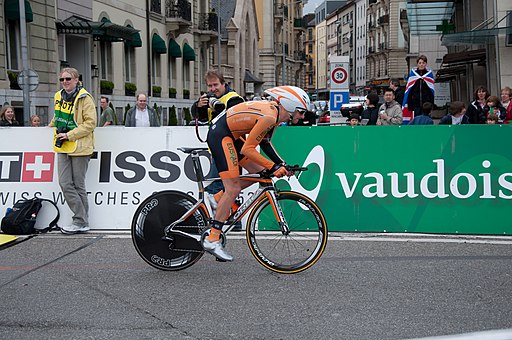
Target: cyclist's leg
216,186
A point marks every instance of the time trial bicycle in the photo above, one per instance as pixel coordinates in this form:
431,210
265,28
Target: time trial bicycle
286,231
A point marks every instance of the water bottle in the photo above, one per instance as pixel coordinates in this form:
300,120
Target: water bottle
8,211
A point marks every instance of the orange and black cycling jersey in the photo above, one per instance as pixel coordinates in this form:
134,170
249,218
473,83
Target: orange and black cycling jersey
256,119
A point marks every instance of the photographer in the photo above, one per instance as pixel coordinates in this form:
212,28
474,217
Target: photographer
217,89
74,122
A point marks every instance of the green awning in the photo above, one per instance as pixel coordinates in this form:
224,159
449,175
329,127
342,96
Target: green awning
12,10
103,30
158,44
174,49
136,40
188,53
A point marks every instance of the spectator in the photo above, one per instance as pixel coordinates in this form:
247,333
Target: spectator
492,119
7,117
456,114
75,120
107,114
35,121
372,111
475,112
141,115
390,113
354,119
494,107
506,96
217,88
394,84
424,118
420,86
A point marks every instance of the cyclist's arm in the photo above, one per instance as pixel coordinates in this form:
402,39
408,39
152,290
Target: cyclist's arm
269,149
257,134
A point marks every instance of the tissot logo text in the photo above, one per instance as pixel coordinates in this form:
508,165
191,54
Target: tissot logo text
26,166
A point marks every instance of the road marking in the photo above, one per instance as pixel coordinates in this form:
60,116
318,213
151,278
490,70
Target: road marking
338,236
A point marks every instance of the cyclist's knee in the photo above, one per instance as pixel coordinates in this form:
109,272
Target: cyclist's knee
232,188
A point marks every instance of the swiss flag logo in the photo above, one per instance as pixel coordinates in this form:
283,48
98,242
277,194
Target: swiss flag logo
38,166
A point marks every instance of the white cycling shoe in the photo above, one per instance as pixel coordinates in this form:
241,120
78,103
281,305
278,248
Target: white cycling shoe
216,249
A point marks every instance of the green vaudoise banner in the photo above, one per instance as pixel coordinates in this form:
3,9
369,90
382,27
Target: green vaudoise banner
429,179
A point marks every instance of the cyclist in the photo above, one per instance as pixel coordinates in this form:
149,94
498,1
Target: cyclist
231,148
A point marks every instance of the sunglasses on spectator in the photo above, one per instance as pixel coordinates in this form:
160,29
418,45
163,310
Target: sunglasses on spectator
66,79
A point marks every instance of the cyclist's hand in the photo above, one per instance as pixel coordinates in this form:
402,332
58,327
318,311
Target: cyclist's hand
279,170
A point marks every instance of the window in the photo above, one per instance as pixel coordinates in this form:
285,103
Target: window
105,60
129,63
13,45
508,37
172,72
155,69
186,75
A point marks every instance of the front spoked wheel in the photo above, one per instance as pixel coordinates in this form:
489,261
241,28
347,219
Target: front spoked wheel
292,252
154,214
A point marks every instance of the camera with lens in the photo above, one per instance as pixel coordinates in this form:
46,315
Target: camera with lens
214,103
60,129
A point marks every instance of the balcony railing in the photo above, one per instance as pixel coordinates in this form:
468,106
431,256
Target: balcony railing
299,55
279,8
278,48
208,22
178,9
156,6
299,23
384,19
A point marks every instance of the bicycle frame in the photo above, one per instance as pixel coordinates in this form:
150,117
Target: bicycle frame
266,189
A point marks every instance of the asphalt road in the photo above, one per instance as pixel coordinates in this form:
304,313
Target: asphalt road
95,286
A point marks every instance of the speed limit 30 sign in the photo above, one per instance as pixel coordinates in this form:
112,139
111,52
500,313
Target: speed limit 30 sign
339,72
339,75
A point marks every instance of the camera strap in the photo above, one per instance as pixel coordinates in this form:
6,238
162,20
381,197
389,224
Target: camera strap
197,131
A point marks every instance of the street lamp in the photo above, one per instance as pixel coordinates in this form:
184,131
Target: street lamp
283,74
338,37
218,37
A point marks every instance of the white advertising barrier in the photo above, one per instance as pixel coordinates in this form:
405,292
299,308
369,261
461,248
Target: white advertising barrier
129,165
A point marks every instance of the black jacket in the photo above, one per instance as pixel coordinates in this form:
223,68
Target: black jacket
476,113
372,114
447,120
202,112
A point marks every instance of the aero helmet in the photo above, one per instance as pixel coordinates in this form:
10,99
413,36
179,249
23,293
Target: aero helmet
290,97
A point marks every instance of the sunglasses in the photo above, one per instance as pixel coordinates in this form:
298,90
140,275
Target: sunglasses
301,111
66,79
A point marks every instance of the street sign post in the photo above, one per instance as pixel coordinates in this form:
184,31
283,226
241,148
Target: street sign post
28,78
339,86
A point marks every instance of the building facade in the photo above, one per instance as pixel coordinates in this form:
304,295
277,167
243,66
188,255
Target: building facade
386,41
281,47
120,48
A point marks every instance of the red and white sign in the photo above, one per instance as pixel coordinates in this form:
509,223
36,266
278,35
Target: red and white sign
339,75
339,72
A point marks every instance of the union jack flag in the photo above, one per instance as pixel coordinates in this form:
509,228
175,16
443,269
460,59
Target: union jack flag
413,78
